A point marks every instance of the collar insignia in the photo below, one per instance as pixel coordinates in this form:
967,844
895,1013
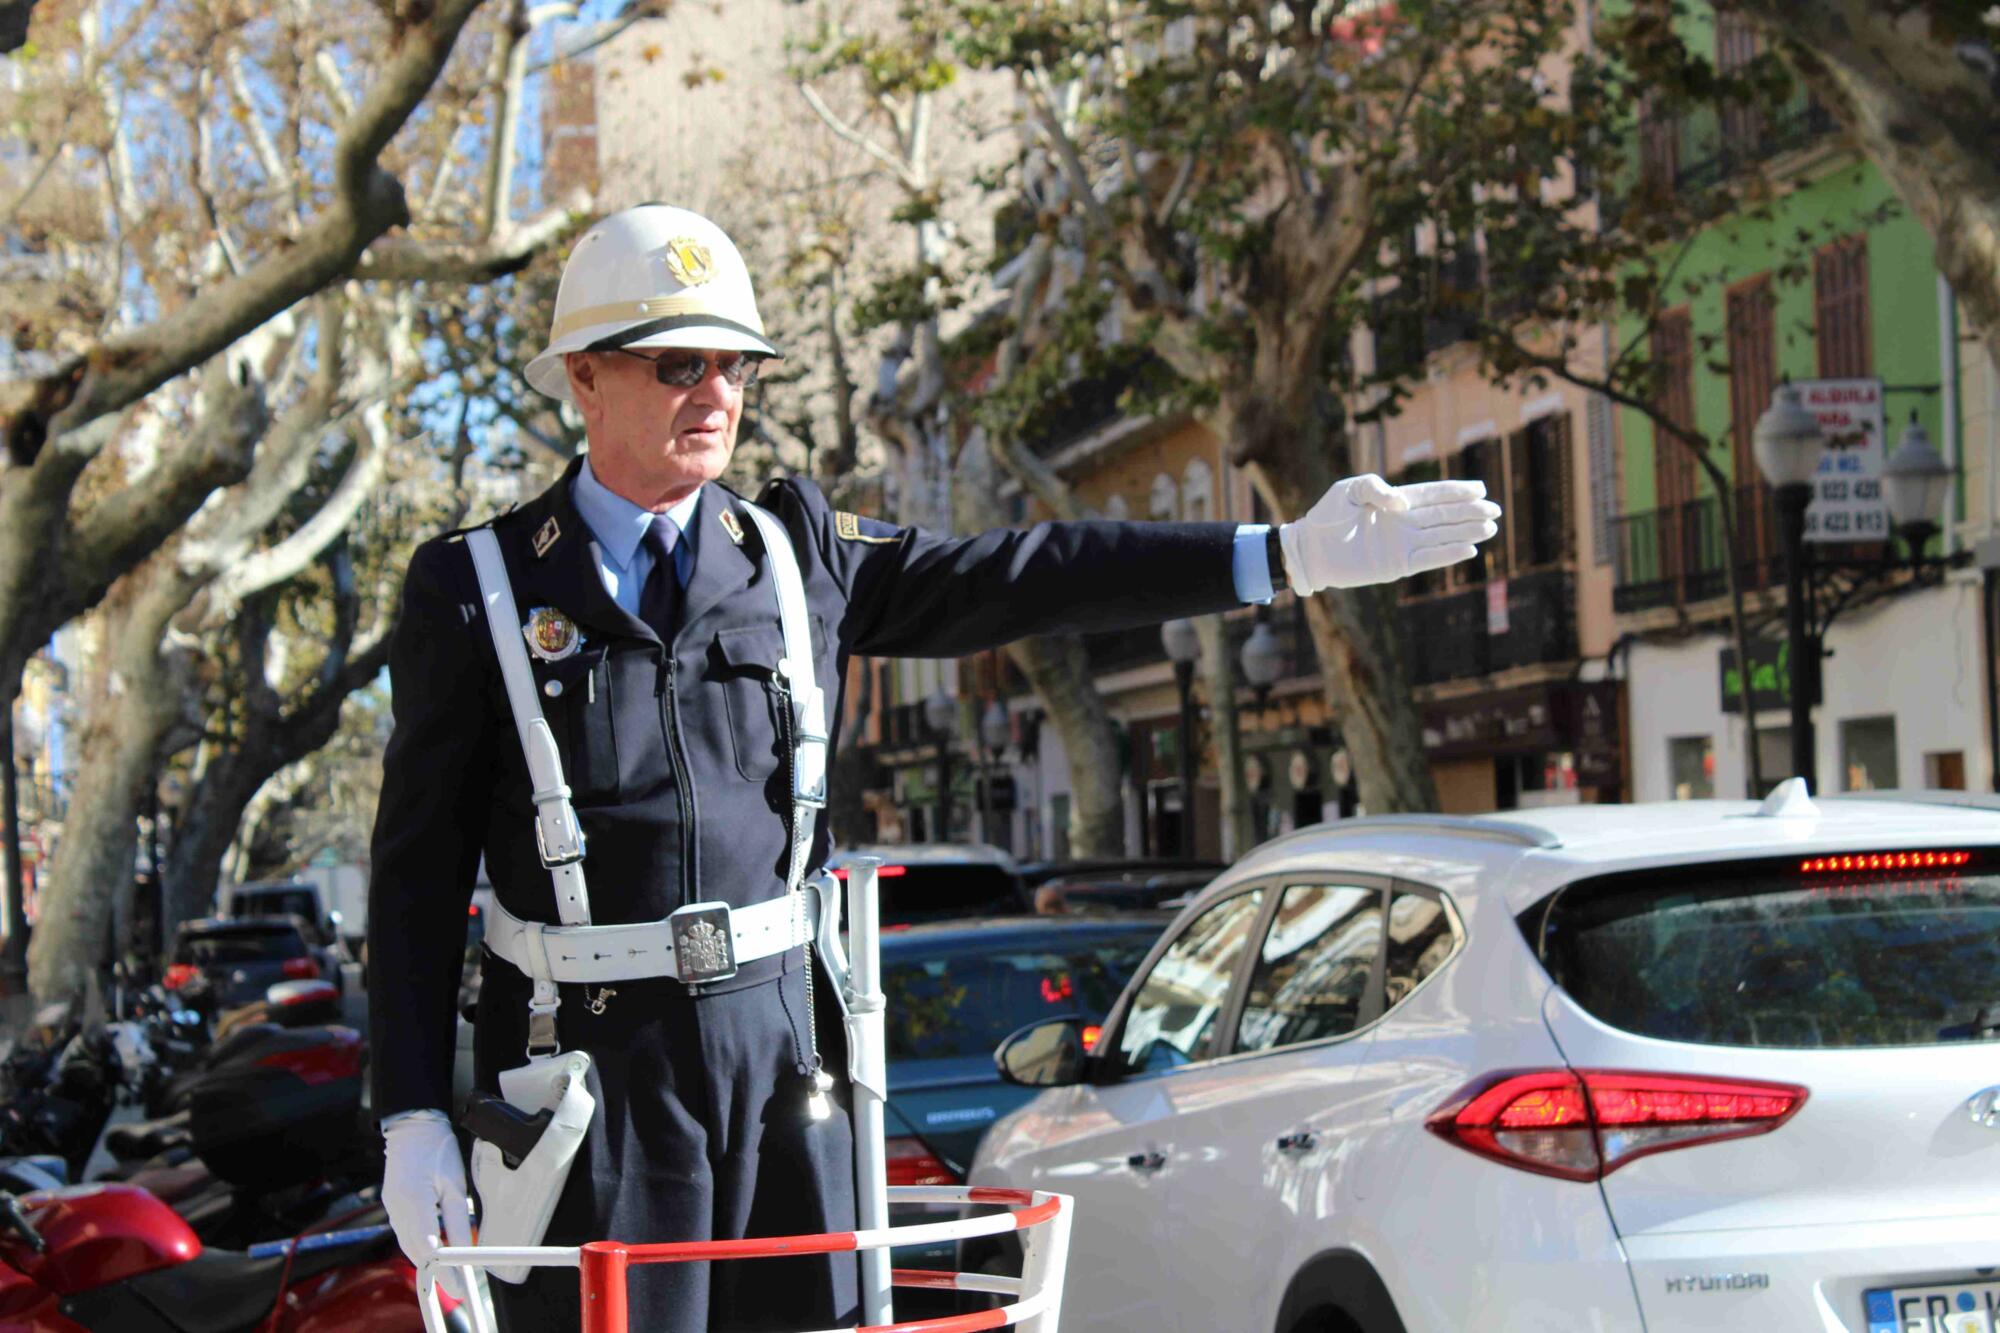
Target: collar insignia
854,528
731,525
546,537
689,261
551,635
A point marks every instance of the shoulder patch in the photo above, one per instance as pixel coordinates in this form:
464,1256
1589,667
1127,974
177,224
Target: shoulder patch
854,528
547,536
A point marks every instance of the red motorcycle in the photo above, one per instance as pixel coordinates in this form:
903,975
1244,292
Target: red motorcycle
112,1257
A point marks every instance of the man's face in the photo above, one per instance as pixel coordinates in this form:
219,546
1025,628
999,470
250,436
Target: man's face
650,442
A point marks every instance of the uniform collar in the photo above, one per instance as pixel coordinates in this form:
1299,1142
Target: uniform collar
617,523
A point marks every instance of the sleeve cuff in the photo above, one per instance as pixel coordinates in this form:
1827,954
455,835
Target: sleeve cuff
1250,564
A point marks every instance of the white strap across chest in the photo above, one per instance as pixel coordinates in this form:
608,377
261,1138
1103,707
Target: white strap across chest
759,930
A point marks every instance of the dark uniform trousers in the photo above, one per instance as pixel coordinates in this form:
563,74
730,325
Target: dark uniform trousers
676,756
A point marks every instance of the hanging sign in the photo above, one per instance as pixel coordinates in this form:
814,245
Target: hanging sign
1847,501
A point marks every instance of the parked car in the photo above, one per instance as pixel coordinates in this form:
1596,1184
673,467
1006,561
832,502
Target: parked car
1701,1065
1120,890
300,899
220,963
936,881
1035,873
955,990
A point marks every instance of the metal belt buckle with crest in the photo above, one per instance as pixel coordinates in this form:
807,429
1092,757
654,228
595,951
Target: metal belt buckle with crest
704,950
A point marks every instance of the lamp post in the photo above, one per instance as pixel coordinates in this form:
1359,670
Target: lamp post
1787,443
1262,658
995,730
1183,645
941,715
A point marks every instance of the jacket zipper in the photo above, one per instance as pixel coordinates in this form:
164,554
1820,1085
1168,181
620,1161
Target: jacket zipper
683,780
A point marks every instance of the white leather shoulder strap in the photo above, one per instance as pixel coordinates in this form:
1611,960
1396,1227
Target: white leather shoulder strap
795,670
557,833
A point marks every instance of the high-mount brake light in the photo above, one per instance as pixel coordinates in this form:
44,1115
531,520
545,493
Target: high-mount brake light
1583,1124
1863,861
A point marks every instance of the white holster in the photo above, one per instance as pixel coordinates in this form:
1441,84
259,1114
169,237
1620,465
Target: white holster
516,1202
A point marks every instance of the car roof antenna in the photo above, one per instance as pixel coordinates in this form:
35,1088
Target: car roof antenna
1789,800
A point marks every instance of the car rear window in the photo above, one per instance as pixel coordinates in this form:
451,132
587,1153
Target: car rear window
938,892
274,902
258,946
965,1004
1780,957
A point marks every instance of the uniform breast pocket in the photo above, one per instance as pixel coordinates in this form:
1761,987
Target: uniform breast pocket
745,662
576,700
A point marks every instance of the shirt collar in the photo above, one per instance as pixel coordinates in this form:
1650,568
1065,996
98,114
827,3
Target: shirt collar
617,523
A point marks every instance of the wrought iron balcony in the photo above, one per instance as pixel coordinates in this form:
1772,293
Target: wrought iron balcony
1676,556
1451,637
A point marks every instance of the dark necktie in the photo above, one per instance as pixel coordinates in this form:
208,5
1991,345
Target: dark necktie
660,599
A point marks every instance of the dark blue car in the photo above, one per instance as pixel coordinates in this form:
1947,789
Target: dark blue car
955,991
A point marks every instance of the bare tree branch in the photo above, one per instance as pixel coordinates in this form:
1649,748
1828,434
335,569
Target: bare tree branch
898,168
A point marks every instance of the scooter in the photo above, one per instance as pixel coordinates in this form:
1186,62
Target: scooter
99,1257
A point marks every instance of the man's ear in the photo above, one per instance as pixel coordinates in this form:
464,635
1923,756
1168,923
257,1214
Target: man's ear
583,386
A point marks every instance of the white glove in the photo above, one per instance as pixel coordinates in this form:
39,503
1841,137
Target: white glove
1366,531
423,1187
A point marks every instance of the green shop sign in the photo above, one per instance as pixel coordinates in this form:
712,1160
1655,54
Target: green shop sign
1770,677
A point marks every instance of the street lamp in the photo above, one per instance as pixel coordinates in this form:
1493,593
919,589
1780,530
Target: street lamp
941,715
995,730
1183,645
1788,443
1262,658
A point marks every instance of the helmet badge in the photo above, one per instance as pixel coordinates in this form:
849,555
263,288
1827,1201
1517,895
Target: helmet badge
551,635
689,261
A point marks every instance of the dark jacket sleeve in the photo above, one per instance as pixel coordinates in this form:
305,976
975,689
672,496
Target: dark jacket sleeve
911,593
429,827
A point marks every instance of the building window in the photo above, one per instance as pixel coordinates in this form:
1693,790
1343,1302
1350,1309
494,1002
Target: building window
1735,48
1868,754
1197,492
1538,493
1752,355
1944,770
1165,500
1659,143
1481,462
1691,767
1840,309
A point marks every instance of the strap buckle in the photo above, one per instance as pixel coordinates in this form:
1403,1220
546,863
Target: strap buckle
813,793
568,834
542,1041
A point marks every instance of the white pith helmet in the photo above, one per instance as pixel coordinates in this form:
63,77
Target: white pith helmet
650,276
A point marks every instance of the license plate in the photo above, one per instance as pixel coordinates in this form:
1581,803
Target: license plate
1955,1307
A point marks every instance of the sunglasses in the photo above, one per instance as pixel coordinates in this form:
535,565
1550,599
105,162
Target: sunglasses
684,370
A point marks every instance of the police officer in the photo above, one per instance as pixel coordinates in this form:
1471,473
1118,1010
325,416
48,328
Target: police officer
646,595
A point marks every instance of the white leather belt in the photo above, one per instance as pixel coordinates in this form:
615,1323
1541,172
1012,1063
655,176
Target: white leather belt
666,948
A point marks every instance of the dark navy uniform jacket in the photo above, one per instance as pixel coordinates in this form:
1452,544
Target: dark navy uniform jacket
672,751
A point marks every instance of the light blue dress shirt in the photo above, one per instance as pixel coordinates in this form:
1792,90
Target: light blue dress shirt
620,528
1249,563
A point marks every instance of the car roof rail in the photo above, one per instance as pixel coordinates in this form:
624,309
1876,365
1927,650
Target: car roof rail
1967,800
1463,826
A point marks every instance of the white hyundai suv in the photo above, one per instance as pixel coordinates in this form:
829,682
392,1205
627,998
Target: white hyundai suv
1691,1066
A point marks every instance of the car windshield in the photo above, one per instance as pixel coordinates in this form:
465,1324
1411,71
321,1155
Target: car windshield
1784,958
964,1004
240,946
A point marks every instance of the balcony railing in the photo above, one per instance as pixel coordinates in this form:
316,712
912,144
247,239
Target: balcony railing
1451,637
1678,555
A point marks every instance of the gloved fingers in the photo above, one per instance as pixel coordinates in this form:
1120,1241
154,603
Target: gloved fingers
1422,493
1437,557
457,1214
1453,534
451,1280
1371,492
1458,511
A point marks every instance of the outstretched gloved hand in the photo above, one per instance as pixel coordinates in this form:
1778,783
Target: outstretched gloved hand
423,1189
1366,531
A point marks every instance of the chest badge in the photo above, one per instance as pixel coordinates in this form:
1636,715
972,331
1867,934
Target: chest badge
551,635
731,525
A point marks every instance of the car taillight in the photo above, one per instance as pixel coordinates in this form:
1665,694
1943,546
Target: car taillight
179,975
912,1163
1583,1124
1837,865
881,872
304,969
1091,1032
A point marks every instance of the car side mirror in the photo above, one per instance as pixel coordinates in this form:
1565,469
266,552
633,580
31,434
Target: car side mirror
1049,1054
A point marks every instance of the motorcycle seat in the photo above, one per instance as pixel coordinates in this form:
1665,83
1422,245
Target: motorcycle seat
223,1291
144,1138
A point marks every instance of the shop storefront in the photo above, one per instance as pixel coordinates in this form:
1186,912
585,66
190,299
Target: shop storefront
1551,744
